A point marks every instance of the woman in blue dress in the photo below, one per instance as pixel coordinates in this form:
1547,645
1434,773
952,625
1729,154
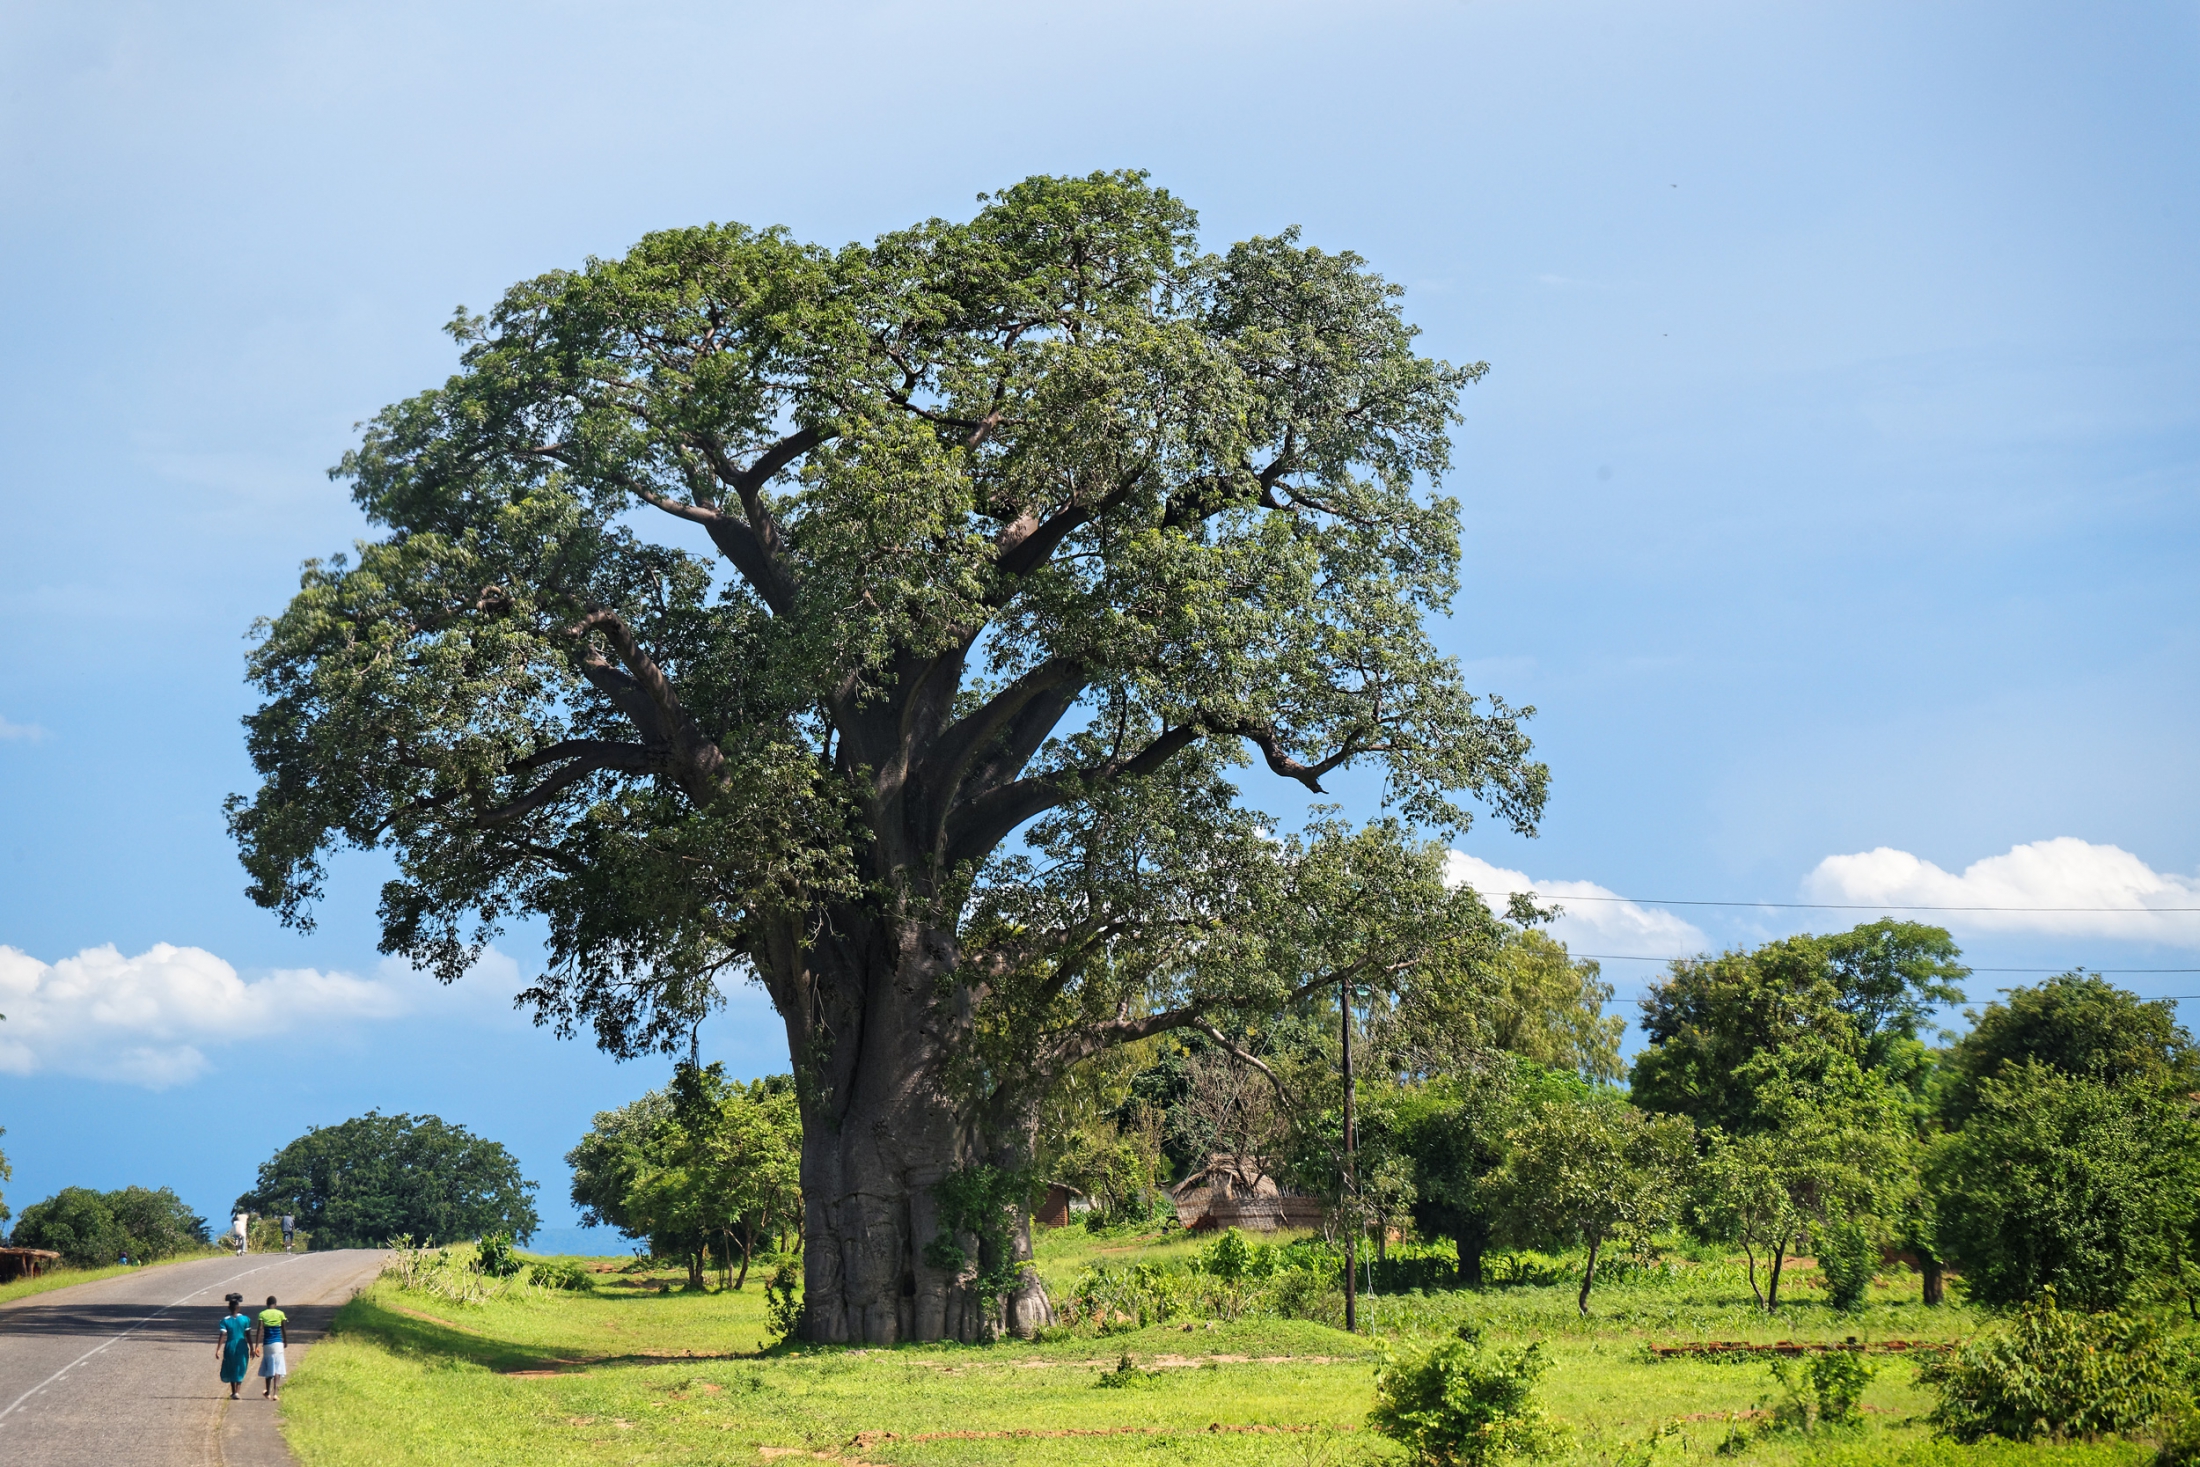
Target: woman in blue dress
235,1350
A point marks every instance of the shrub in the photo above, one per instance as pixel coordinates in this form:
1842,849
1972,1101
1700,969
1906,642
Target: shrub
2052,1374
782,1299
1125,1375
1133,1296
1846,1260
561,1273
1823,1392
1463,1403
496,1258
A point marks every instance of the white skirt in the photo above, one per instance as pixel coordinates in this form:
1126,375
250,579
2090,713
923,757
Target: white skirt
271,1358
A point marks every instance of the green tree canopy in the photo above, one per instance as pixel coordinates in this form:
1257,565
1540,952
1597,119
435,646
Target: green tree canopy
377,1177
1550,1007
1862,993
1453,1132
1583,1172
1032,526
90,1228
1832,1148
2078,1023
704,1165
2065,1180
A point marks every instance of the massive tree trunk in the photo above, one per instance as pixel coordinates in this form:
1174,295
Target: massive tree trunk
875,1022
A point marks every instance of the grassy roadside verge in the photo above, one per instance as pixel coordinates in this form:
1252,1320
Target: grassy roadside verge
69,1278
631,1375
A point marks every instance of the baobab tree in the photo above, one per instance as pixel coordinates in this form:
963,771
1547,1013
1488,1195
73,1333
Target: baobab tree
886,624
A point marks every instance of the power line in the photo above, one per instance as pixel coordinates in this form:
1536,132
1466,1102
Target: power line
1838,906
1647,958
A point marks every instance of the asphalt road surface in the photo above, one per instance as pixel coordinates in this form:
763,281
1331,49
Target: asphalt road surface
122,1373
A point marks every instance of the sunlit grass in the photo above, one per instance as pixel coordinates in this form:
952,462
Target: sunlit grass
628,1374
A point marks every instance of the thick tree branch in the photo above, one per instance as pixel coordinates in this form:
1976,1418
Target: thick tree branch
966,740
976,826
1271,747
581,758
1027,542
692,759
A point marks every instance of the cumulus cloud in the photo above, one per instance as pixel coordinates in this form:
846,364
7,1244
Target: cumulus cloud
1602,925
148,1020
2101,891
27,732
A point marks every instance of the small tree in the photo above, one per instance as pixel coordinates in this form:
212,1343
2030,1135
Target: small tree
76,1223
704,1164
1741,1198
1590,1170
2063,1181
89,1228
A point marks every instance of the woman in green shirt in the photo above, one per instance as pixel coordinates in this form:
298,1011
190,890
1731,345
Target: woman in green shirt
272,1321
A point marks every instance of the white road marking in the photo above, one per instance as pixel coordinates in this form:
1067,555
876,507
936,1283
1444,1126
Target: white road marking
133,1329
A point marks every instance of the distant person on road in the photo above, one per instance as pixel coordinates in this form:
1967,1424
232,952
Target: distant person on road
238,1225
290,1225
235,1351
271,1349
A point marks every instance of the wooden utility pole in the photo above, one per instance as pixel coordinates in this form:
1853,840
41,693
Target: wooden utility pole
1351,1178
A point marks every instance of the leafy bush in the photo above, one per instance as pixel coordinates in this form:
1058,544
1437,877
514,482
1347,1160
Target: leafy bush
1463,1403
1824,1391
2052,1374
496,1258
1125,1375
1846,1261
2066,1181
561,1273
782,1299
1133,1296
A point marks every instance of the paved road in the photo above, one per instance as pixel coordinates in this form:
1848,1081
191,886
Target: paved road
121,1373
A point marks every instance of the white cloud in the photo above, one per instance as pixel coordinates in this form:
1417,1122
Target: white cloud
28,732
1604,925
147,1020
2127,894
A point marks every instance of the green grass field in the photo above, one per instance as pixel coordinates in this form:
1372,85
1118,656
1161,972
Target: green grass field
632,1375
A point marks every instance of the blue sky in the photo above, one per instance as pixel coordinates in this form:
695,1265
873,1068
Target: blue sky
1835,488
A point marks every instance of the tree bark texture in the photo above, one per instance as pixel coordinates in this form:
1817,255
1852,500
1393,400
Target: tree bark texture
875,1028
